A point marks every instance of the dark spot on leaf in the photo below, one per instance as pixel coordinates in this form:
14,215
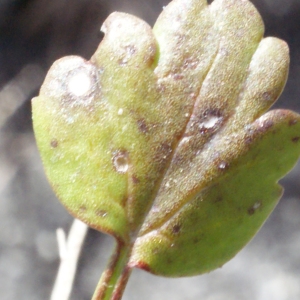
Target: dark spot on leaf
266,96
169,260
135,180
101,213
295,139
54,143
82,208
196,240
254,208
142,126
176,228
149,57
218,199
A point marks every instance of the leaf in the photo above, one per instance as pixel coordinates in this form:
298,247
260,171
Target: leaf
162,139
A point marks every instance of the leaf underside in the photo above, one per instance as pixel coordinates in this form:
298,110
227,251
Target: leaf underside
162,139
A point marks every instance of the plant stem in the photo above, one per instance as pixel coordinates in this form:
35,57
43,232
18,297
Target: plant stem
69,254
114,279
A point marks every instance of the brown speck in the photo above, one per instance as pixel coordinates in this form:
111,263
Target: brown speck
196,240
169,260
266,96
218,199
123,61
54,143
142,126
150,55
82,208
176,228
254,208
101,213
296,139
135,180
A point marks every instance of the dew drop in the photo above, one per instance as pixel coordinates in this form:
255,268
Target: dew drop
101,213
120,162
185,140
79,84
120,112
209,122
223,165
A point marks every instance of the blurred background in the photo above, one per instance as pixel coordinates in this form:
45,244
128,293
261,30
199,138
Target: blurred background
33,34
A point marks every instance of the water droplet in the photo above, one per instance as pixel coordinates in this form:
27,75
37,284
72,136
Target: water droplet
79,84
120,161
185,140
120,111
101,213
73,79
209,122
223,165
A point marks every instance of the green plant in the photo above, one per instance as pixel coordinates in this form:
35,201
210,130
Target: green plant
162,139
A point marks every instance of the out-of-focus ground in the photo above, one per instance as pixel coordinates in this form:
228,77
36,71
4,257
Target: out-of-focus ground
33,34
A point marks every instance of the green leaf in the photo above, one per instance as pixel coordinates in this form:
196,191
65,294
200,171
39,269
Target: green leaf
162,139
